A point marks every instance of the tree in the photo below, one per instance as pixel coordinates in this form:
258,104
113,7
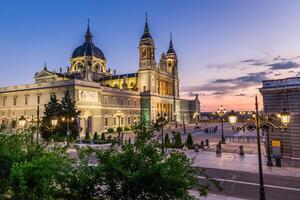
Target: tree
189,141
95,138
41,178
52,110
70,113
140,171
103,136
167,141
177,140
87,134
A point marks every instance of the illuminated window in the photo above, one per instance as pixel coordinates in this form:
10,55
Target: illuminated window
115,121
106,121
144,88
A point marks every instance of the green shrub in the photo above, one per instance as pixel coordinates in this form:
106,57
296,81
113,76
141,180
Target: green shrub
110,130
178,141
95,136
189,141
127,128
119,129
103,136
167,141
87,136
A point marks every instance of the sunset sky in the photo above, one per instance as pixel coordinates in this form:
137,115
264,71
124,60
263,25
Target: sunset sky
225,48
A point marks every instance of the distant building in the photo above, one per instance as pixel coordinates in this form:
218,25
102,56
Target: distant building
284,94
105,99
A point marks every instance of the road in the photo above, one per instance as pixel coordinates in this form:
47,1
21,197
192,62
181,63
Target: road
245,185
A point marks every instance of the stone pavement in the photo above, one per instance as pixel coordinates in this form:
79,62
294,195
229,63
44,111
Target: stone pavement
230,161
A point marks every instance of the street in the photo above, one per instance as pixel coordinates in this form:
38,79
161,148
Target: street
245,185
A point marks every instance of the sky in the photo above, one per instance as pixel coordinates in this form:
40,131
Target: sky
225,47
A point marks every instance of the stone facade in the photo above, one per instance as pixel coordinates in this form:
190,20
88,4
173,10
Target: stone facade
105,99
277,96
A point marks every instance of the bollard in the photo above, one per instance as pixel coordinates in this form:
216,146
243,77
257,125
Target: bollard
196,147
206,142
278,162
241,150
202,145
218,148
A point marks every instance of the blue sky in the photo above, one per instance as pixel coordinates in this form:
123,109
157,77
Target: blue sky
228,43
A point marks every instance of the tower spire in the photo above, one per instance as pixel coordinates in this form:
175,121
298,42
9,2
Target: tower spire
171,49
146,28
45,65
88,34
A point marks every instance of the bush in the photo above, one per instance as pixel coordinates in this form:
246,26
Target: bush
126,129
178,141
119,129
189,141
103,136
167,141
110,130
95,136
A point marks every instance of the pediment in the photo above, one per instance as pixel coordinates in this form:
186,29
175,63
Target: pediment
45,74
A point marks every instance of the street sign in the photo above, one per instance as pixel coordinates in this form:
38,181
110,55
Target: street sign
276,147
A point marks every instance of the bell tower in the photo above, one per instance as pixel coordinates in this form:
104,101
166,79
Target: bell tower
147,49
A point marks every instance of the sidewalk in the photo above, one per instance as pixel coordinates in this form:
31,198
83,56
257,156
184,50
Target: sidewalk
231,161
213,197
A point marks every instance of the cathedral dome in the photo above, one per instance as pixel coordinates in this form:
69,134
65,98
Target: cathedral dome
88,48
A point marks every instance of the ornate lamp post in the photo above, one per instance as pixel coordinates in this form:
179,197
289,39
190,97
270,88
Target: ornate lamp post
54,122
183,121
119,114
262,122
242,113
68,120
221,113
161,121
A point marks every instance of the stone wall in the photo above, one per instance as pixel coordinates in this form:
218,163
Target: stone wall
277,96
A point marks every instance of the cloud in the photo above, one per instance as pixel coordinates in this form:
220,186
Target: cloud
283,65
226,86
250,61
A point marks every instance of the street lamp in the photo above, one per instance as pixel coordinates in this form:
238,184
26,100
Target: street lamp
161,121
183,121
221,113
242,113
68,120
263,122
54,122
119,114
22,121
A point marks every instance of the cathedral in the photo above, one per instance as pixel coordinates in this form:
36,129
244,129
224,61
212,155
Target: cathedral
105,99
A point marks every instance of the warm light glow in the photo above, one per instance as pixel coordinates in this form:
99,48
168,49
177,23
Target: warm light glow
242,112
232,118
285,118
54,122
22,121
